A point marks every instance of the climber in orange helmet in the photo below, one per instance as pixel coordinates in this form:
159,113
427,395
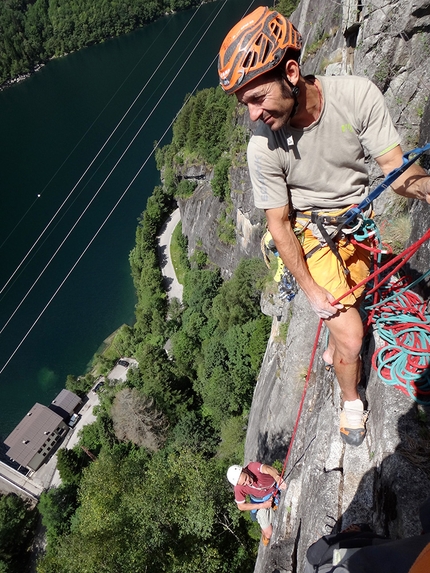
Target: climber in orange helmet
307,165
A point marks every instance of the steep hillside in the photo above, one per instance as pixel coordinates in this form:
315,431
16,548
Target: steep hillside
384,481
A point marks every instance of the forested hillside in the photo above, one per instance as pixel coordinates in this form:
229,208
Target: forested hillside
33,31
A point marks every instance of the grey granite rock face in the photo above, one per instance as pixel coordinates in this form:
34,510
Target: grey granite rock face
202,213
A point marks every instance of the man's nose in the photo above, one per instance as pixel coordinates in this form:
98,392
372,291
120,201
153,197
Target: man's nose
255,111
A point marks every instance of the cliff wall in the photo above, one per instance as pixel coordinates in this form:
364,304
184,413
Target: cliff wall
383,481
202,214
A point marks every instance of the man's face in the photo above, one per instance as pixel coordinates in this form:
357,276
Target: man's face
244,479
266,100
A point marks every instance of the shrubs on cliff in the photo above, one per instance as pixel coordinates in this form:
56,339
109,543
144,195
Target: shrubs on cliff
202,133
222,339
201,130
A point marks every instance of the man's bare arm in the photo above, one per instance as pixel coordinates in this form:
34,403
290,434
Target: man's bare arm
291,254
413,183
271,471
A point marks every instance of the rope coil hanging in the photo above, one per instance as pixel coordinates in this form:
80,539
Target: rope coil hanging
403,362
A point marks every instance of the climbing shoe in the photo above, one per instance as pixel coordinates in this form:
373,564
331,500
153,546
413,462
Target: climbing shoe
353,422
265,540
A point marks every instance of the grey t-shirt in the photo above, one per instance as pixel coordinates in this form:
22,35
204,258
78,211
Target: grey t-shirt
322,166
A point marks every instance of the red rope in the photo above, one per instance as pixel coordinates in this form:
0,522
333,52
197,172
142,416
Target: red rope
299,412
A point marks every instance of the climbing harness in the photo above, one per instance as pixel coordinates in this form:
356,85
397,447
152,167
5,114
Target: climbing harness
354,214
275,502
328,227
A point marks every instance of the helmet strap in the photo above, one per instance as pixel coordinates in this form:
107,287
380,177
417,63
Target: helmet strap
295,91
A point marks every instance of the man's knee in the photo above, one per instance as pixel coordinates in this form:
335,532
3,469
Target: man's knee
349,348
347,332
267,531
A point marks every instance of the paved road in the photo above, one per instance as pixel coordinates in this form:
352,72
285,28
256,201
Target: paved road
173,287
120,372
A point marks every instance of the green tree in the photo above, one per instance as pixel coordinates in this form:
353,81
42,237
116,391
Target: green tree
194,433
185,188
80,385
70,464
199,287
287,7
181,125
17,522
194,132
57,506
220,183
239,298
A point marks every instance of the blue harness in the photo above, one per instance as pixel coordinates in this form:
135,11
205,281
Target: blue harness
261,500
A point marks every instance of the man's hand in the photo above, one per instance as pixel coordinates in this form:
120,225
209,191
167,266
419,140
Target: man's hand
413,183
266,504
282,485
321,302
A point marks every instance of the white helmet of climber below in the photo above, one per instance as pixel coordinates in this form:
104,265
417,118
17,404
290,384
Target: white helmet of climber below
254,46
233,474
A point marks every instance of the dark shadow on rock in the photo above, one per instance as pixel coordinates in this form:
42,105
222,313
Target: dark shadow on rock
412,471
279,559
422,385
275,449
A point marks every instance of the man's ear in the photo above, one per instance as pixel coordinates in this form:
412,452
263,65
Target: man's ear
292,71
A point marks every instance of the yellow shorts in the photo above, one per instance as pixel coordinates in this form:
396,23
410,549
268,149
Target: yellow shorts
327,271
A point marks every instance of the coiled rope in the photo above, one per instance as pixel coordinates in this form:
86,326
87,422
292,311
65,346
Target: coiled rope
403,323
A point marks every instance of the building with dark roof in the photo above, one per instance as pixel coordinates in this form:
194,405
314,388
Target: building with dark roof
66,403
36,437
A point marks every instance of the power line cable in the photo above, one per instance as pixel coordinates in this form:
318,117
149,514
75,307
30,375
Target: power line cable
89,180
83,137
101,186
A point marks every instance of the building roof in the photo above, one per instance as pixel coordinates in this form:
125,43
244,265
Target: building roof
31,433
65,403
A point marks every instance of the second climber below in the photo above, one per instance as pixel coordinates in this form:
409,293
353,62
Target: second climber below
307,165
255,487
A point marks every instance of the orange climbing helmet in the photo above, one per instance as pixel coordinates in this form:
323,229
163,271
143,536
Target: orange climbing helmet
254,46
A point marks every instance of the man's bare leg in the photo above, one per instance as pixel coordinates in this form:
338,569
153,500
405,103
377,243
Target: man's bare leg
266,535
328,353
346,337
